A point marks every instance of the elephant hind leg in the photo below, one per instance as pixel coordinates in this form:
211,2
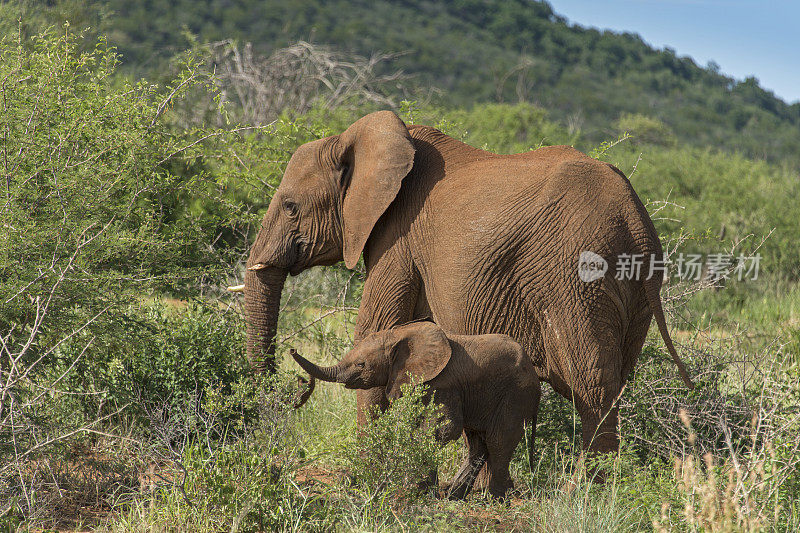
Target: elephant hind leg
598,405
501,443
586,348
462,483
600,435
600,431
499,460
599,413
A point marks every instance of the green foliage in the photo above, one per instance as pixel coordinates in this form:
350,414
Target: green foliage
509,129
645,130
92,218
172,355
601,152
30,17
793,346
107,205
247,483
748,198
96,221
397,450
246,169
240,482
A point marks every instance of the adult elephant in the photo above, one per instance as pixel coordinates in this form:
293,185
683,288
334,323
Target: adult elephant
482,243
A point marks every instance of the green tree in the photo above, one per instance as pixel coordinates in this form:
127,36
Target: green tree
94,221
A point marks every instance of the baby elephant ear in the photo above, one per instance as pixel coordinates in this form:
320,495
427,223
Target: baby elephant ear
421,350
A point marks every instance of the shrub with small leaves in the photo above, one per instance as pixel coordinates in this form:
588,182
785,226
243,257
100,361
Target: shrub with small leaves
397,450
228,473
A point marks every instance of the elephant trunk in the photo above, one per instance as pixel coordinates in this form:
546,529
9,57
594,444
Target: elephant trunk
308,385
324,373
262,299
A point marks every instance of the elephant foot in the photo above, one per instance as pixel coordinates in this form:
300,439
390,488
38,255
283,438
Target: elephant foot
585,473
571,483
594,467
500,492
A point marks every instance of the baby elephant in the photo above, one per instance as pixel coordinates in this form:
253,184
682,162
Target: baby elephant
486,385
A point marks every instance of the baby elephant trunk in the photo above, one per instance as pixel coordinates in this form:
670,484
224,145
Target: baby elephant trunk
306,387
324,373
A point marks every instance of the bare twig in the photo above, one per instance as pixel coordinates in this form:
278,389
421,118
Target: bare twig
295,78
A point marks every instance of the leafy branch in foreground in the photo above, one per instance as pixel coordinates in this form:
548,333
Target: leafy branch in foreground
398,449
94,182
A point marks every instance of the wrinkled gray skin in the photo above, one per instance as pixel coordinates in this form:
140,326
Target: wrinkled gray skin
479,242
486,386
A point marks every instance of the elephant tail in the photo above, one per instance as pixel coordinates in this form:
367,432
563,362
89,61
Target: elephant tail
652,288
530,436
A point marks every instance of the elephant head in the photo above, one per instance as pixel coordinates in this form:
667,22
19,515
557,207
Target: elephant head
388,358
333,192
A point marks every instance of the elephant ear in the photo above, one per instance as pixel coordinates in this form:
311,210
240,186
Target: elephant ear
421,351
381,154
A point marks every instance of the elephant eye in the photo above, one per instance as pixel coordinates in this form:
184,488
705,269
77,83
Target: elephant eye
361,365
290,207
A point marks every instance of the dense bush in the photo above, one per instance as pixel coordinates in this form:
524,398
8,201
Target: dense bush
95,223
244,479
509,129
396,451
169,355
645,130
94,210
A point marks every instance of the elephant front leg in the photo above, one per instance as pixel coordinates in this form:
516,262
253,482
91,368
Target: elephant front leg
370,403
389,299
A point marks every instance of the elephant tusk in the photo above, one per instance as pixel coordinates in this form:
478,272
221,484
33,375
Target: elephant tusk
236,288
257,266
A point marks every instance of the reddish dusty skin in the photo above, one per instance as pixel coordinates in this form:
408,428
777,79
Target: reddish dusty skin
485,385
480,242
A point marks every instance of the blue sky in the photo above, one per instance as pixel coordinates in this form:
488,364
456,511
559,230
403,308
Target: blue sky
745,37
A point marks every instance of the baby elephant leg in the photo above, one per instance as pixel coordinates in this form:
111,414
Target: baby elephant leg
501,446
465,477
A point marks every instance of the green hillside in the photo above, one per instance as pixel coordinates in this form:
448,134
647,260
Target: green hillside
474,51
488,50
